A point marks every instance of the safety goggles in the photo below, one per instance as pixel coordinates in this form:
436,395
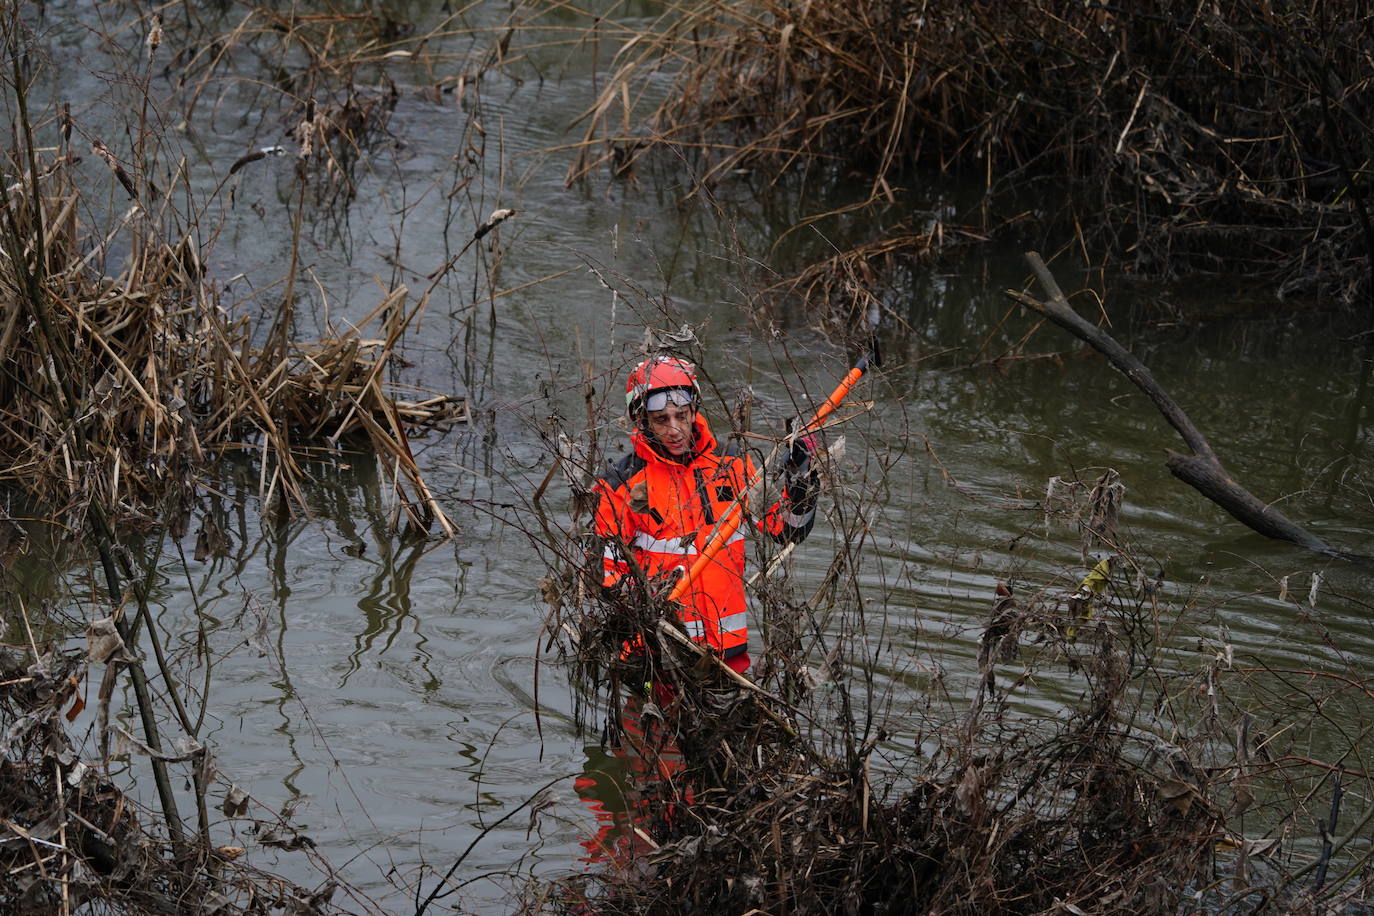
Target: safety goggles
658,400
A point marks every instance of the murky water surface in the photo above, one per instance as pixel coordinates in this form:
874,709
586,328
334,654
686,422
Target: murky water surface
387,689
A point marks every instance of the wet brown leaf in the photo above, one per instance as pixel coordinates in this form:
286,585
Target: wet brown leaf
548,588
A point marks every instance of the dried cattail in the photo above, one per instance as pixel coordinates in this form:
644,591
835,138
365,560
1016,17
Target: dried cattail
497,218
154,36
241,161
101,150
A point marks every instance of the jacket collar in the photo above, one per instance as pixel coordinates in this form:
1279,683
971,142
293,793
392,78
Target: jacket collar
646,449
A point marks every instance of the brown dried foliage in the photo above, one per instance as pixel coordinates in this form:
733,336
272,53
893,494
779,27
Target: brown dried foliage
124,388
780,808
1217,136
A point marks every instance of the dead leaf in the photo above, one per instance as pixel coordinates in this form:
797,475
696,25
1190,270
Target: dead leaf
103,641
1242,800
1176,795
1262,846
968,793
235,802
548,588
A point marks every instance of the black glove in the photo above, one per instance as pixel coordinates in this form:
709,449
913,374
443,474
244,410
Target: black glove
800,483
797,465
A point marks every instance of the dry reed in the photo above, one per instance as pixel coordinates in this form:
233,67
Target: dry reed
123,388
1225,137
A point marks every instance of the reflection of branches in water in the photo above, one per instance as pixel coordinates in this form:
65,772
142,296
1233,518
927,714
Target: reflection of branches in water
84,843
344,492
267,636
133,870
387,604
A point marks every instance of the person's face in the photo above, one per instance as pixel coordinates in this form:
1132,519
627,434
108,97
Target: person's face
673,427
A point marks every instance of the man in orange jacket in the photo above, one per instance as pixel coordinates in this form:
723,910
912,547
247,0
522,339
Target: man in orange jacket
661,502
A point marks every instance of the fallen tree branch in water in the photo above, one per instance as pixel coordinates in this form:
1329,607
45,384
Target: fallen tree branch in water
1201,470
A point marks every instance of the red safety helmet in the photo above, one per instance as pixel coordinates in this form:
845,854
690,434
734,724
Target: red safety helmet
659,381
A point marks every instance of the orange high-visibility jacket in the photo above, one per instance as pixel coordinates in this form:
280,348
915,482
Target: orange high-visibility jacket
664,511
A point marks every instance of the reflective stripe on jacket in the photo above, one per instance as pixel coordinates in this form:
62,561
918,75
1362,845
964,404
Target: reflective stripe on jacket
664,511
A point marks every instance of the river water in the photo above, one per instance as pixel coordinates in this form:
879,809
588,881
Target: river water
384,689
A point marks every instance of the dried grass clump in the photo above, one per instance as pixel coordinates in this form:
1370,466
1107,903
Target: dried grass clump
1216,136
122,389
